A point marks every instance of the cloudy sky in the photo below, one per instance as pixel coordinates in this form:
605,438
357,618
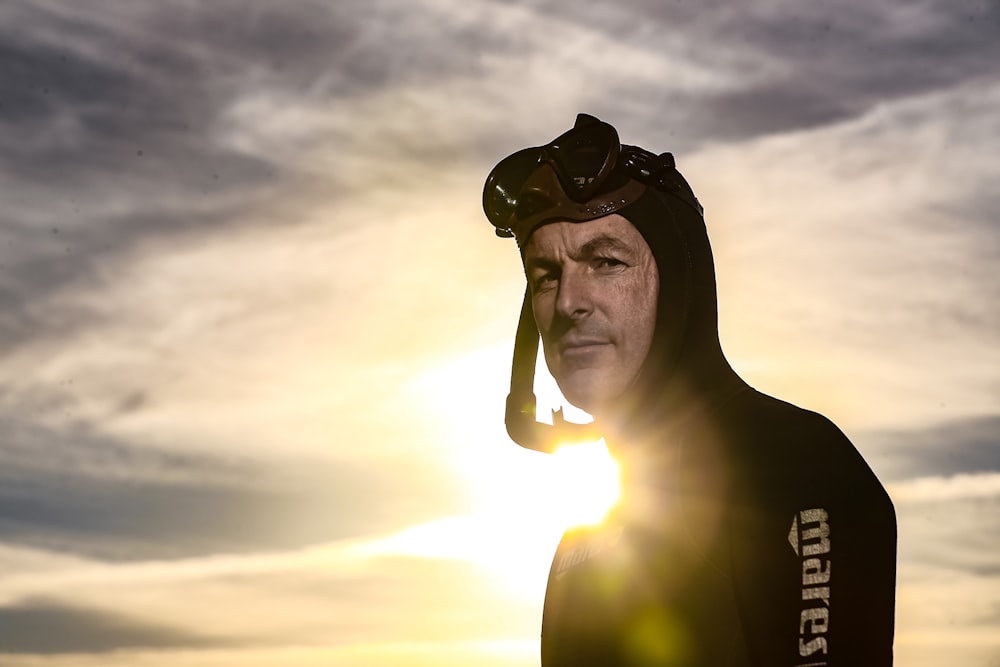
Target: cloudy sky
255,328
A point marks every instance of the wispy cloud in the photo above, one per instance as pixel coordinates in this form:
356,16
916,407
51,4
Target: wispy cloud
46,628
339,594
953,449
93,495
936,489
877,236
241,251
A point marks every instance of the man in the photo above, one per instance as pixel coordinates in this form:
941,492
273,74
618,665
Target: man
750,531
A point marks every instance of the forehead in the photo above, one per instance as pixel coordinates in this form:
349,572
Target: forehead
576,238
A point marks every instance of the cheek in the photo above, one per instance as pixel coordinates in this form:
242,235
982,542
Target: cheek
640,304
542,308
643,325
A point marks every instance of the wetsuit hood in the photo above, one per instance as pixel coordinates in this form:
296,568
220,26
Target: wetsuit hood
685,371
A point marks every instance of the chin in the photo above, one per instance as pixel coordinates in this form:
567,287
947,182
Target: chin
588,394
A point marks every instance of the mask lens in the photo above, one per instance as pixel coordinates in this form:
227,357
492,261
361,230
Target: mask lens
505,182
581,159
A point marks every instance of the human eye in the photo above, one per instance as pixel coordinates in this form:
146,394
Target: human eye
608,263
543,279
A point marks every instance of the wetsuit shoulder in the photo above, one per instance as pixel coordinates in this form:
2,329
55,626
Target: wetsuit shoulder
813,539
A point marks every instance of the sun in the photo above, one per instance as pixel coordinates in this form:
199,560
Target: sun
516,534
585,483
575,485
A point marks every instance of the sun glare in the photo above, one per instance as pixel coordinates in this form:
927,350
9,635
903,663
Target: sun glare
585,483
516,536
519,502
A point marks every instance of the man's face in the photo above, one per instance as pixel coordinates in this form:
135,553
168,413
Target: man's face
593,289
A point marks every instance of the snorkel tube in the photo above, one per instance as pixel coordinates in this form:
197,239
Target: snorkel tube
522,406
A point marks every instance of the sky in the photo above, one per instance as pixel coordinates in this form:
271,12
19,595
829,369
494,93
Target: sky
255,330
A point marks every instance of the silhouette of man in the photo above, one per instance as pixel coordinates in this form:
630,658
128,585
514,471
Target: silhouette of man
749,531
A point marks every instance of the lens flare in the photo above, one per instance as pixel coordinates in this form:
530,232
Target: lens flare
585,483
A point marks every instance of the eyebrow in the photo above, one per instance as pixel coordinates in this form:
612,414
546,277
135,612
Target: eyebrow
602,243
598,245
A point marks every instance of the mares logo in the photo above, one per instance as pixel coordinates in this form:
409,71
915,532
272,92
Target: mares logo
810,538
587,550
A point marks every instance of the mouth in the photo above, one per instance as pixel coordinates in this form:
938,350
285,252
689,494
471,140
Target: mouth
582,347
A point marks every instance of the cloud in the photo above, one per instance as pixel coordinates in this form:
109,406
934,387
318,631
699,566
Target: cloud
503,653
335,594
849,245
98,497
278,110
963,449
238,239
40,626
932,489
945,616
107,142
801,66
944,481
954,530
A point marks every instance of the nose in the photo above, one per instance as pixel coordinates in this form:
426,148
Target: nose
574,299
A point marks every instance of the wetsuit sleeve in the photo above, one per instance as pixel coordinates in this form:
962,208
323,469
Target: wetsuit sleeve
813,548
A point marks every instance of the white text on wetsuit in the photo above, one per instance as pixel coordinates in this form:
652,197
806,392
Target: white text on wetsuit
814,549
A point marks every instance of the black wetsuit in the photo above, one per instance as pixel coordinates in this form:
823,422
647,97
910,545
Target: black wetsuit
750,531
758,537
